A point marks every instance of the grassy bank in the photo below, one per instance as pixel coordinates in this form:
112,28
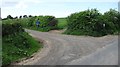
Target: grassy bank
18,46
16,43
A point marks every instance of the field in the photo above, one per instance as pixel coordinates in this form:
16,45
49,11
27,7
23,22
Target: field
62,23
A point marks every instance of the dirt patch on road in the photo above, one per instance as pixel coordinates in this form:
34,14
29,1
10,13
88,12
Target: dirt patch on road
57,31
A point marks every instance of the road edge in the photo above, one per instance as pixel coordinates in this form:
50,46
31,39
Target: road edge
39,54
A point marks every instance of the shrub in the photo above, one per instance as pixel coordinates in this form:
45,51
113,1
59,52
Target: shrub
11,27
93,23
47,22
18,46
112,17
16,43
30,21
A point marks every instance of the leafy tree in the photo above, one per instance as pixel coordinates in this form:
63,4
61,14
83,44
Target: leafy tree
25,16
20,17
9,17
30,15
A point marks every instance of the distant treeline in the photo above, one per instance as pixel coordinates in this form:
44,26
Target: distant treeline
46,22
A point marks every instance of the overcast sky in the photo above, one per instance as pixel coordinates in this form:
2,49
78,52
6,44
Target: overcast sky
57,8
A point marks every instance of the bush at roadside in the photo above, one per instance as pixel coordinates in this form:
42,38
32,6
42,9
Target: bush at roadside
93,23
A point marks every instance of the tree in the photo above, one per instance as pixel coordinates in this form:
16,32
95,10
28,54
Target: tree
20,17
9,17
25,16
30,15
16,17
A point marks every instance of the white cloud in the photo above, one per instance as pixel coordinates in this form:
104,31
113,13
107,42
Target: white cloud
80,0
27,3
19,3
0,3
16,7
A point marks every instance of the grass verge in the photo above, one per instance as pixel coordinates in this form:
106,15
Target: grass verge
17,46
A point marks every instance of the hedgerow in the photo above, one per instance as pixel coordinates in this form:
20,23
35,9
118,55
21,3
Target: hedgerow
16,43
93,23
46,22
11,27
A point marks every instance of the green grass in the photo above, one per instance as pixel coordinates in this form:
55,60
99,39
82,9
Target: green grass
62,23
18,46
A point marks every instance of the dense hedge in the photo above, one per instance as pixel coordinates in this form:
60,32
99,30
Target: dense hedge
46,22
16,43
15,47
11,27
93,23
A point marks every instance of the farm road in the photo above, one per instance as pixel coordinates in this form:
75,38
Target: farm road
62,49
